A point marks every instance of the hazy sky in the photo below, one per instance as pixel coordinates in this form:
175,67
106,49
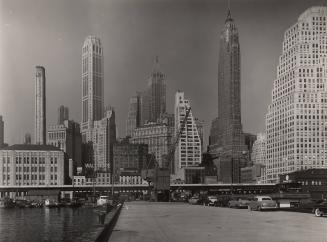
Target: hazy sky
184,34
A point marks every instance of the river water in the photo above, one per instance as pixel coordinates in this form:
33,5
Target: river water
44,224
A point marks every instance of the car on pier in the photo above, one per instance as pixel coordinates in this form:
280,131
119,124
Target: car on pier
320,209
194,200
238,203
260,203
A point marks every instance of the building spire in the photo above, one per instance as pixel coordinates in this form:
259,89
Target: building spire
229,15
156,64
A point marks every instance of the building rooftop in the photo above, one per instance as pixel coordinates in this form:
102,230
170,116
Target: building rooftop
31,147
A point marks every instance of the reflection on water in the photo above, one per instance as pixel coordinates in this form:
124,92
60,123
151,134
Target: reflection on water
44,224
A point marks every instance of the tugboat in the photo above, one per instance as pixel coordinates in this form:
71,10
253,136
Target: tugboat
102,200
50,204
6,202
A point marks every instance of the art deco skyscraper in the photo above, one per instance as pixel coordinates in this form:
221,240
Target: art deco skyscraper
230,144
154,97
40,106
92,84
296,119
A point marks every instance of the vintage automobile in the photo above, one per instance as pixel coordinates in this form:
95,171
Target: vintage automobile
260,203
238,203
212,201
194,200
320,209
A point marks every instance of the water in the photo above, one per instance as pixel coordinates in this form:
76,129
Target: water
43,224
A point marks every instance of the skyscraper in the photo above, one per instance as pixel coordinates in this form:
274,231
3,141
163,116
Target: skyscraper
67,137
63,114
188,151
134,115
230,144
103,137
2,124
296,118
40,106
92,84
154,97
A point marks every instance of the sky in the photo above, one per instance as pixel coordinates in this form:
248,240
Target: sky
183,33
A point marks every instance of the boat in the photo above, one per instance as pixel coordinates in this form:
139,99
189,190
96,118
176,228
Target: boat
50,203
6,202
102,200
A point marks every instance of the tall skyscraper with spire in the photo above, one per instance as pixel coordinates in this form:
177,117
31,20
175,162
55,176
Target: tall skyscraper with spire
40,106
92,85
154,97
296,118
229,144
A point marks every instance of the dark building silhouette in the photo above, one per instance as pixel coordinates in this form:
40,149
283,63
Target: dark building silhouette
63,114
227,139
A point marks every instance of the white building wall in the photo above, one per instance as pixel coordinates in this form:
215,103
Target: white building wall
296,118
188,151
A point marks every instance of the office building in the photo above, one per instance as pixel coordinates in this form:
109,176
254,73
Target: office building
229,146
258,155
153,99
67,137
103,136
188,150
92,84
158,136
33,165
296,117
134,115
130,157
63,114
40,106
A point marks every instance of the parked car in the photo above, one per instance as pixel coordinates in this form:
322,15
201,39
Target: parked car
194,200
262,203
212,201
238,203
320,209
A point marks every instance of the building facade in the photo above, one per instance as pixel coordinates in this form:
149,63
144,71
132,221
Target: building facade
92,84
63,114
103,136
258,155
296,118
134,115
40,106
188,150
153,99
313,181
35,165
129,157
158,137
229,145
67,137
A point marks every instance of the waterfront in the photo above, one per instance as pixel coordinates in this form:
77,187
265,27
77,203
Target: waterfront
42,224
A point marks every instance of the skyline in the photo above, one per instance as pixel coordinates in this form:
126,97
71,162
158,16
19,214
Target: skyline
177,35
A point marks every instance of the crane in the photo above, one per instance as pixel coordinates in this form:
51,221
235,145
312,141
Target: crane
170,157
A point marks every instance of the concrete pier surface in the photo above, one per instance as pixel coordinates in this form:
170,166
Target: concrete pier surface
147,222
